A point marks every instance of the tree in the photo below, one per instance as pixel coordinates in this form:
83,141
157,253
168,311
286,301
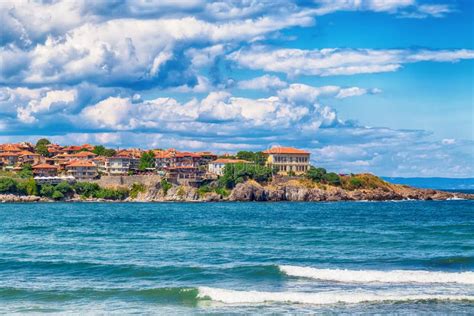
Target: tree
28,187
26,171
57,195
47,190
316,174
102,151
238,173
255,157
332,178
42,142
41,147
65,188
147,160
8,185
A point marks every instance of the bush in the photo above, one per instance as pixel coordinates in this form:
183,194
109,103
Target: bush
238,173
26,171
316,174
47,190
222,191
65,188
8,185
355,183
137,188
111,194
57,195
203,189
165,186
28,187
86,189
332,178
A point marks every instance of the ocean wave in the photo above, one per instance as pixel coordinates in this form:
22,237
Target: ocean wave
367,276
323,298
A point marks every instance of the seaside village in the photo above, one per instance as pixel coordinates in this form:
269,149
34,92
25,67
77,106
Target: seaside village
52,163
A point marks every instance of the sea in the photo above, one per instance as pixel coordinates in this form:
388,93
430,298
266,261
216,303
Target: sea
406,257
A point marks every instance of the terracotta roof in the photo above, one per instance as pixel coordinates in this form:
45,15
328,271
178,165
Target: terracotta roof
27,153
81,163
285,150
8,154
225,161
44,166
163,154
83,154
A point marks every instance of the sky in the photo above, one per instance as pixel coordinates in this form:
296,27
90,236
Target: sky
380,86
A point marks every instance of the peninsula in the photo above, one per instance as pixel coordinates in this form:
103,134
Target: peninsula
50,172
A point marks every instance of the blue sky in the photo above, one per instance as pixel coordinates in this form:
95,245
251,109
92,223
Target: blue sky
382,86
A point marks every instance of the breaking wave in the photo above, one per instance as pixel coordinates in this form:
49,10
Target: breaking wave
367,276
323,298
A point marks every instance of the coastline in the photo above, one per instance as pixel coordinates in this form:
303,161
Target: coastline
251,191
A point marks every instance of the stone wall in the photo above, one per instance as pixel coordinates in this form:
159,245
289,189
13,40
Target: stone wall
126,181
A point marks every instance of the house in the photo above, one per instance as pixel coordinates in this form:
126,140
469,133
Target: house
217,166
82,169
82,155
287,159
9,158
117,165
45,170
185,175
28,157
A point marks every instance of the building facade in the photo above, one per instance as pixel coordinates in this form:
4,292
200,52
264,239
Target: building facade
45,170
287,160
82,170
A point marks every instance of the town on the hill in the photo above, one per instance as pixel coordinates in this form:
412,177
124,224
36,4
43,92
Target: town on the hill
52,163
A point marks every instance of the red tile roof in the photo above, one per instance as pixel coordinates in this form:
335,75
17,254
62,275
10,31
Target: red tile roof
83,154
81,163
285,150
44,166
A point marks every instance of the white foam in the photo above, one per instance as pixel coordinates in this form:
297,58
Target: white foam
367,276
324,298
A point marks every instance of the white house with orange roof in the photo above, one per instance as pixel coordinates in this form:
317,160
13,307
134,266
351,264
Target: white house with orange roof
45,170
82,170
287,159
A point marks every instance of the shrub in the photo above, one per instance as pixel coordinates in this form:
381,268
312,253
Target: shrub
355,183
316,174
111,194
222,191
137,188
8,185
332,178
28,187
65,188
86,189
180,193
26,171
46,190
165,186
57,195
203,189
238,173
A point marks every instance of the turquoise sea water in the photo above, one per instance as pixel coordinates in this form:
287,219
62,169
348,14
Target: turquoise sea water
381,257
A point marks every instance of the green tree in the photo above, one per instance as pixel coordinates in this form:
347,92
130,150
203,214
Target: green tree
41,147
316,174
57,195
238,173
28,187
332,178
65,188
147,160
26,171
46,190
8,185
255,157
102,151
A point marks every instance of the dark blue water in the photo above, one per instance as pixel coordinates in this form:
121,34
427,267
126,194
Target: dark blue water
383,257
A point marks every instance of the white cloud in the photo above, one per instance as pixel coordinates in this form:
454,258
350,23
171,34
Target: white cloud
265,82
331,62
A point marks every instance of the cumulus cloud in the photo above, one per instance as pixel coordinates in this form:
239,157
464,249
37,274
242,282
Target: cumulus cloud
333,62
265,82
